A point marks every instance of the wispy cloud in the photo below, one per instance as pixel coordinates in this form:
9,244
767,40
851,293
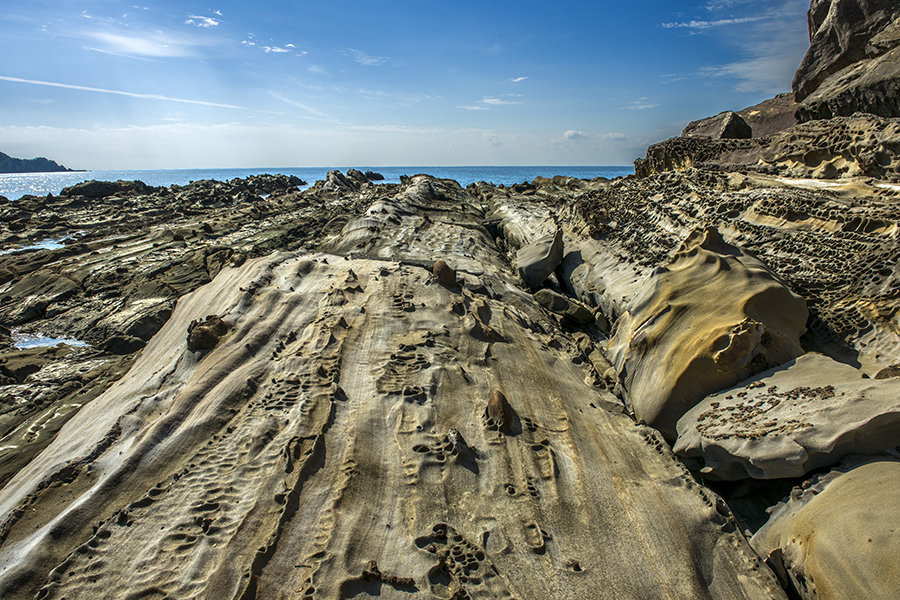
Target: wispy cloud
365,59
720,4
287,48
772,50
487,102
299,105
85,88
151,44
640,104
316,70
575,134
201,21
518,79
702,24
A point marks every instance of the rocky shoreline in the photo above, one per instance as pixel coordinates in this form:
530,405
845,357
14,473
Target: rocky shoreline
680,384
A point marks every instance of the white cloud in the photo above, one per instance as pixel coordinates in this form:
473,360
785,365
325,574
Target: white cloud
275,49
518,79
316,70
217,12
490,101
701,24
573,134
299,105
201,21
152,44
640,104
772,51
84,88
365,59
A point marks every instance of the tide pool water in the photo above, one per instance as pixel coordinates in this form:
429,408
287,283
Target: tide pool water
16,185
37,340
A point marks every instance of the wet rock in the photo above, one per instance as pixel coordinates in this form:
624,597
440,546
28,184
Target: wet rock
6,340
537,261
205,333
713,317
837,539
790,420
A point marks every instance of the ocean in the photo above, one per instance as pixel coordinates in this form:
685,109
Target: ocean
16,185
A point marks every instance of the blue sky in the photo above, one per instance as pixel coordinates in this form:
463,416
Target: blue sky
109,84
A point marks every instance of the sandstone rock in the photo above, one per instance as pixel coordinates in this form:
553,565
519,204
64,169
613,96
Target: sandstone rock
771,116
726,125
205,334
573,312
860,145
839,32
538,261
713,317
838,539
870,86
336,393
445,275
500,415
790,420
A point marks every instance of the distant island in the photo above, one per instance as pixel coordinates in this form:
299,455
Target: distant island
8,164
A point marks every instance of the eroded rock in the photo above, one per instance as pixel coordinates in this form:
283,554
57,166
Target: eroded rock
537,261
713,317
788,421
838,539
204,334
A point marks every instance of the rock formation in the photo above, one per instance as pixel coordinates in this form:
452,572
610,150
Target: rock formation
420,390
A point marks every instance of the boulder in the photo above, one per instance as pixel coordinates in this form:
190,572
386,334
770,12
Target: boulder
373,176
726,125
838,539
336,181
445,275
572,312
715,316
790,420
205,334
537,261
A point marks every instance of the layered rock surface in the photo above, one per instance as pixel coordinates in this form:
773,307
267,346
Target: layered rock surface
337,442
789,421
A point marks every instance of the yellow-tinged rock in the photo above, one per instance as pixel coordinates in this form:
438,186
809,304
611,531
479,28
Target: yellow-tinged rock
713,317
844,541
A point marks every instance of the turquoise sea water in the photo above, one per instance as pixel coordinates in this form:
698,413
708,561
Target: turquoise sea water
16,185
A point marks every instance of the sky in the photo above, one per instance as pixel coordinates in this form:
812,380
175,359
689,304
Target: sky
214,84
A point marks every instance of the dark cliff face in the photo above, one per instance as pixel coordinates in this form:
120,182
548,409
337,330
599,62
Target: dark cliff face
853,61
839,31
8,164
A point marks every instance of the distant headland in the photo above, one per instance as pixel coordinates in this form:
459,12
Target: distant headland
8,164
